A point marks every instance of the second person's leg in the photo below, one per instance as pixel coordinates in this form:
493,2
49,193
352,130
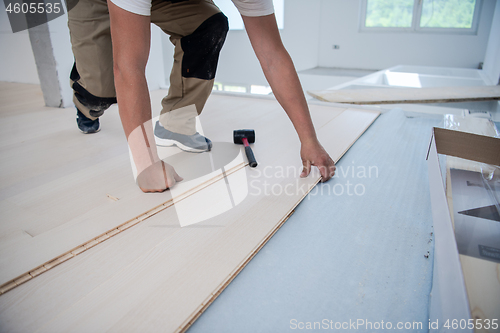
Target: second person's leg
92,74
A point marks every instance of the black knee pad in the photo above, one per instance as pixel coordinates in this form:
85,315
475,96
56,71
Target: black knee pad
202,48
97,105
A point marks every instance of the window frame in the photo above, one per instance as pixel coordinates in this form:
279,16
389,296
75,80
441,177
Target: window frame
416,19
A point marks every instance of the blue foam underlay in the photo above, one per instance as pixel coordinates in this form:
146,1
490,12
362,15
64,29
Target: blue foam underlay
344,257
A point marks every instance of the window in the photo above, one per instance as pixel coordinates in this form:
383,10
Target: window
252,89
389,13
235,21
453,16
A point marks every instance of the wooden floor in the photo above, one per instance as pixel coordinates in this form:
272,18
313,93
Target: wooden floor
59,190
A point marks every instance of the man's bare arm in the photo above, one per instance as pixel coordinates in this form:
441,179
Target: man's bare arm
282,76
130,34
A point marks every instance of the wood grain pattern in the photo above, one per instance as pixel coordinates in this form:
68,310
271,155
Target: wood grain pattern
56,196
45,216
409,95
157,276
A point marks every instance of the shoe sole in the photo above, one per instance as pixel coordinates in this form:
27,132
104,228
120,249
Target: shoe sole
90,132
171,143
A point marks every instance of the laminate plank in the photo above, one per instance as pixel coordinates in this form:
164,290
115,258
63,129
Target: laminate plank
59,193
154,227
176,253
158,275
409,95
19,98
13,236
78,277
25,256
159,294
343,131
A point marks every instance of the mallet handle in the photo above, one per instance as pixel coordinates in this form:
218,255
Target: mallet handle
251,158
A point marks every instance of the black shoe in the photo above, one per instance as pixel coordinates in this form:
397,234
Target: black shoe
87,125
195,143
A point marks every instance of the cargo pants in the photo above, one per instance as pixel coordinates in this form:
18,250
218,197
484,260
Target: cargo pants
197,29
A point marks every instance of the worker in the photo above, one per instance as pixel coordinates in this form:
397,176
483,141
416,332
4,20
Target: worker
197,29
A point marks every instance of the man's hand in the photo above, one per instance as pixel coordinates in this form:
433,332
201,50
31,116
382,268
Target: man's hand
158,177
313,153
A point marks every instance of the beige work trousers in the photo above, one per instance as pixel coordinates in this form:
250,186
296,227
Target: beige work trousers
197,30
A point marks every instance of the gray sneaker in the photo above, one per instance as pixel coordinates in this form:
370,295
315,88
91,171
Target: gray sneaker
195,143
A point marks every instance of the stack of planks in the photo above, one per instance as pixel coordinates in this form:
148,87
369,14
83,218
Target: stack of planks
482,277
409,95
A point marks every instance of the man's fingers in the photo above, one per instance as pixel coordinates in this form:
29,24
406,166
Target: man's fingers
318,157
332,170
306,169
158,177
148,182
327,171
151,191
324,172
169,177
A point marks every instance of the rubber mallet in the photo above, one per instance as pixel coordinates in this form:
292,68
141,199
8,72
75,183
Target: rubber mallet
245,137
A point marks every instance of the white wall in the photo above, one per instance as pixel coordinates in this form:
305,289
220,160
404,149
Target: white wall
155,68
63,55
375,50
238,63
17,63
311,28
302,32
492,59
168,57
